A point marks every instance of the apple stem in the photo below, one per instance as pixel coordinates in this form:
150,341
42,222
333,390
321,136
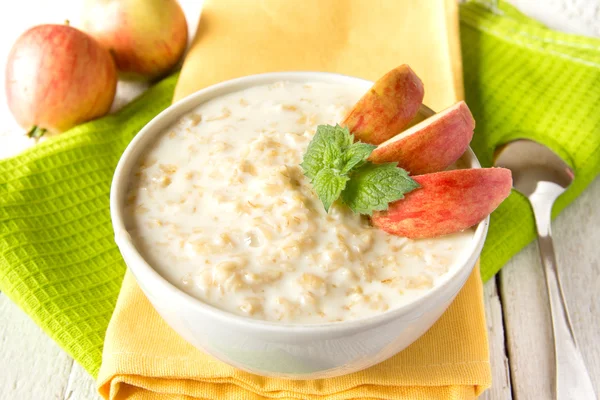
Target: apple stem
36,132
67,22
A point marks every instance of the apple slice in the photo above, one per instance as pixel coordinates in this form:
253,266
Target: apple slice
447,202
432,145
391,103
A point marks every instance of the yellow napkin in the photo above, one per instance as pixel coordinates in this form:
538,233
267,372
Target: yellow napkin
144,359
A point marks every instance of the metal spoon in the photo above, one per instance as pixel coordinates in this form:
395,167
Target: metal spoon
542,176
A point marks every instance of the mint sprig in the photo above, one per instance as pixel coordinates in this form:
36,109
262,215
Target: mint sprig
373,187
326,149
338,167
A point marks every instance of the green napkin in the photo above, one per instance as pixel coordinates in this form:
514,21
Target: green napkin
58,259
523,80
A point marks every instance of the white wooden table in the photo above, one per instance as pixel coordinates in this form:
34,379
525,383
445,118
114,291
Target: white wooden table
33,367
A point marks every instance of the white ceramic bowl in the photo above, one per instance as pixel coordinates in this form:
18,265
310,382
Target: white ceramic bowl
268,348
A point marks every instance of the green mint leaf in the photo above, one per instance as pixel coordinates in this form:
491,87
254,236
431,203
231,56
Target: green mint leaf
355,155
326,150
329,184
339,135
373,186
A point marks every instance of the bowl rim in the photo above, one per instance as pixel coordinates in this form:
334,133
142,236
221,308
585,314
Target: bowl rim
144,272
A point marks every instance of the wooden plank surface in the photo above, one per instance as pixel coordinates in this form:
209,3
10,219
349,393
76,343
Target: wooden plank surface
528,330
572,16
32,366
80,385
525,301
501,386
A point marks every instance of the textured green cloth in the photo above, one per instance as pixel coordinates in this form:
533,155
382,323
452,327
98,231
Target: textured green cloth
523,80
58,260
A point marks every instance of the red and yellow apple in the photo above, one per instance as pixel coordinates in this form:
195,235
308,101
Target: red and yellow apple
432,145
388,107
446,202
58,77
146,37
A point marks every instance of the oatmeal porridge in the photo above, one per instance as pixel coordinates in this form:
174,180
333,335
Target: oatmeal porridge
220,207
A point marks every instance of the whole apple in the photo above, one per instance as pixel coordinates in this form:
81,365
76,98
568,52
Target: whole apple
146,37
58,77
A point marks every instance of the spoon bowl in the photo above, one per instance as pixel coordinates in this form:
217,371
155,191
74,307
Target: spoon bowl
532,163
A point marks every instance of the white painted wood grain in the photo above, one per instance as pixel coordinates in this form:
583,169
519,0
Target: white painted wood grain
80,386
33,366
526,307
500,389
527,322
581,17
577,242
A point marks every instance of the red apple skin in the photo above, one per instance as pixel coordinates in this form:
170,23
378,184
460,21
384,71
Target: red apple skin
146,37
447,202
58,77
432,145
388,107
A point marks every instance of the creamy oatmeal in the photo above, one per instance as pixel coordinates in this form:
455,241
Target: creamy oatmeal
220,207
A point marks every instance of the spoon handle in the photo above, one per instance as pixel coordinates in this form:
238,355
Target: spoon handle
572,381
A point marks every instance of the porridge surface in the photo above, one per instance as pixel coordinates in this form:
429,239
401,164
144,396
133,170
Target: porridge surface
220,207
